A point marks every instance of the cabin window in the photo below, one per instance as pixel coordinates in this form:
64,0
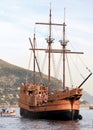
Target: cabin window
30,92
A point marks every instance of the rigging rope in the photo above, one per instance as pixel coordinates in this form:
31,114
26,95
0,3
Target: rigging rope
54,67
37,56
77,68
82,62
71,81
58,66
43,64
28,66
44,61
53,61
57,70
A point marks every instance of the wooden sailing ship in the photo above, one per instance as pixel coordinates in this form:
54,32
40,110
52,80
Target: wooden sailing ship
36,99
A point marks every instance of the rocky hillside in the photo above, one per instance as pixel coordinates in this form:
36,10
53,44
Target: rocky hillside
11,77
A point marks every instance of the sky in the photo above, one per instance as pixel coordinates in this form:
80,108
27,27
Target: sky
17,24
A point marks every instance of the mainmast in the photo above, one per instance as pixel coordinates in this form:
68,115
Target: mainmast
49,41
64,44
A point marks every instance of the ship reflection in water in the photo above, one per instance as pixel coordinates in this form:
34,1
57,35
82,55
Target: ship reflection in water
20,123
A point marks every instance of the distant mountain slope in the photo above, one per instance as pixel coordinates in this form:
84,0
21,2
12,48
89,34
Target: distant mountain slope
12,76
86,96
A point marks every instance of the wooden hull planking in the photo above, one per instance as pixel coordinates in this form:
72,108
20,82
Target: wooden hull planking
62,110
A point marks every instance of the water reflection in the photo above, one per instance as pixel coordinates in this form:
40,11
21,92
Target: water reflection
48,125
19,123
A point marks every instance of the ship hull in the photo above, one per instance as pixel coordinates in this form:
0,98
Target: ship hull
52,115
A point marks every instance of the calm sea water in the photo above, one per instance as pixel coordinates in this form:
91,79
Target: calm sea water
19,123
